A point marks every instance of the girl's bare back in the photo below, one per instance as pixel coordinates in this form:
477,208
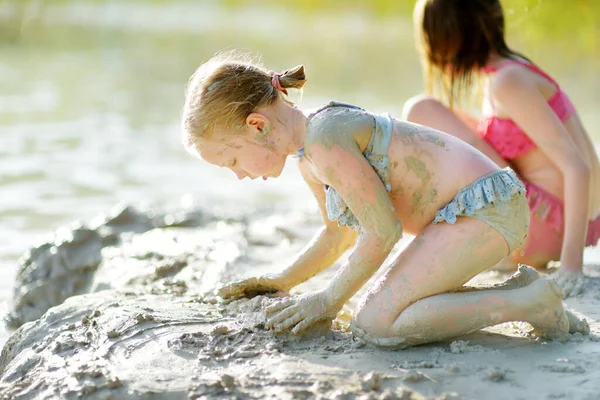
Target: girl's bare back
427,169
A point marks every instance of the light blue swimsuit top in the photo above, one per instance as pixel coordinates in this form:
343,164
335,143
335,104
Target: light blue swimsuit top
376,154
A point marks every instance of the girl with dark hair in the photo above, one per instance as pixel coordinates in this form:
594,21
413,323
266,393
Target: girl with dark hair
528,123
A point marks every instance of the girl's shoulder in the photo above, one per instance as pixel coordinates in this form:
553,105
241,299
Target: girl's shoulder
517,74
337,121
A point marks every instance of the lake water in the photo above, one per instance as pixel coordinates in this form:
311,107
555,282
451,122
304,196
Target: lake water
91,97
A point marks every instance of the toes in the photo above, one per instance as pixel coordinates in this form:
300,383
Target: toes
576,324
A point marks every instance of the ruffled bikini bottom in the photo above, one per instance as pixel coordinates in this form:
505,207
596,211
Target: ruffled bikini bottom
498,199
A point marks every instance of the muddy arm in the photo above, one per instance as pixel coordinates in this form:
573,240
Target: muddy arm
326,246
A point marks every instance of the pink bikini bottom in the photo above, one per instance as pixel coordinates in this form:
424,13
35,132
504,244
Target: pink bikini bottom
546,224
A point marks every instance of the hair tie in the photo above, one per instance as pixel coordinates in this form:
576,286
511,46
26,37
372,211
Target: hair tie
275,82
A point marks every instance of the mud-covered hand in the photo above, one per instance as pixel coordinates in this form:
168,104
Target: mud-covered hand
252,287
300,312
571,282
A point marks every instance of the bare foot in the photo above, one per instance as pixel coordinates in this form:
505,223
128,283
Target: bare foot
524,276
549,319
577,324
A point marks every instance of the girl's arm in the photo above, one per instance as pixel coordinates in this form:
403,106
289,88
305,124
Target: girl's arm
346,169
520,98
467,118
340,163
326,246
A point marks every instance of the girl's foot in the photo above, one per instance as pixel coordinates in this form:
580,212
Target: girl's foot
577,324
525,276
549,319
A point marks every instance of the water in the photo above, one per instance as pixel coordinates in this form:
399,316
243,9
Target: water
91,97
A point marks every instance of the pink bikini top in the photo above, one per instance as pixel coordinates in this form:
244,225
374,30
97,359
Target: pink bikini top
505,136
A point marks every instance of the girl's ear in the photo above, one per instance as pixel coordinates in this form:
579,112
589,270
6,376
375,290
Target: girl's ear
257,123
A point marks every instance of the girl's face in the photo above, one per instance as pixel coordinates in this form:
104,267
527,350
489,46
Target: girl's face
256,152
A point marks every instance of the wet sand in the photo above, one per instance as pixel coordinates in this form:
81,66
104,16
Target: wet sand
140,321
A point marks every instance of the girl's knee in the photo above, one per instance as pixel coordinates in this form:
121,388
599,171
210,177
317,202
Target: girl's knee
372,321
375,317
417,108
381,332
394,342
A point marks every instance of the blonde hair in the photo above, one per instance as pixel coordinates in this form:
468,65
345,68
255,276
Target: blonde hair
225,90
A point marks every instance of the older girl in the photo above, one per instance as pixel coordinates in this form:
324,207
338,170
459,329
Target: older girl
368,173
529,123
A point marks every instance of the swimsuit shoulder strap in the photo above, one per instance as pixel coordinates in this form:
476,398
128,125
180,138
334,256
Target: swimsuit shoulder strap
525,64
382,134
331,104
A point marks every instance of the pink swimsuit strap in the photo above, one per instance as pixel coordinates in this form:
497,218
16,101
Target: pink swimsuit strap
559,101
529,65
507,138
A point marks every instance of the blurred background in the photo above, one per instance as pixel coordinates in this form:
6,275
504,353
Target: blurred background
91,93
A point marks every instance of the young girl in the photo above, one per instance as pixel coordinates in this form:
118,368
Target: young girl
368,173
529,123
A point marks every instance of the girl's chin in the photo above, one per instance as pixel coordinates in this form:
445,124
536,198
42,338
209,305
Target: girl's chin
273,173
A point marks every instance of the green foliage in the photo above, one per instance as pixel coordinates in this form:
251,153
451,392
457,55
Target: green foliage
563,21
572,26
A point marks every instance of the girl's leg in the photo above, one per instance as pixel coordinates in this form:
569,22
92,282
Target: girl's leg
411,303
428,111
454,314
525,276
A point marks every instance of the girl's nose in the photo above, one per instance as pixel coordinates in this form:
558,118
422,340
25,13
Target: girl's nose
240,174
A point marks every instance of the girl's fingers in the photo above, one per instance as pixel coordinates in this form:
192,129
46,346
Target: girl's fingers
237,288
280,305
259,289
227,291
288,323
303,325
281,316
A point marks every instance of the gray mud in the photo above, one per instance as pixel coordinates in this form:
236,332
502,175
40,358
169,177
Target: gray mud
140,321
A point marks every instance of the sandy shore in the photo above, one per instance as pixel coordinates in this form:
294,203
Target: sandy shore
140,321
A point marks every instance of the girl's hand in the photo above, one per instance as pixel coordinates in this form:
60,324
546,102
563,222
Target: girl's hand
570,281
251,287
300,312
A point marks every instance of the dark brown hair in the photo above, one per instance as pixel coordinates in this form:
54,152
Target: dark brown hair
456,38
225,90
